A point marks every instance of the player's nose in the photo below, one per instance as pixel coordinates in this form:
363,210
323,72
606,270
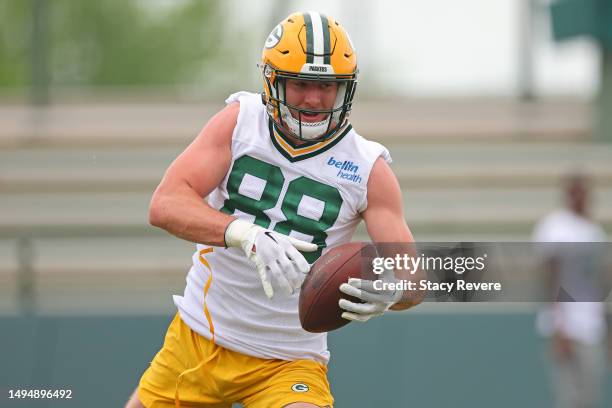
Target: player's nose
313,97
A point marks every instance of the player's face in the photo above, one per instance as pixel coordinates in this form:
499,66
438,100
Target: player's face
316,95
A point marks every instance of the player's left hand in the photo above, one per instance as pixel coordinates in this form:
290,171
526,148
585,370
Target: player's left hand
376,301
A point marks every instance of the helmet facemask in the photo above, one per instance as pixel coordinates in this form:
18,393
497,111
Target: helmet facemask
280,110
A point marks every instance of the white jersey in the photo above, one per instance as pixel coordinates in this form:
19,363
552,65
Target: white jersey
314,192
581,321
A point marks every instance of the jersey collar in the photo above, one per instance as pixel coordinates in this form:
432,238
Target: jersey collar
294,152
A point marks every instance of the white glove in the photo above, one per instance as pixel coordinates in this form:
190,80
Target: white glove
274,254
376,303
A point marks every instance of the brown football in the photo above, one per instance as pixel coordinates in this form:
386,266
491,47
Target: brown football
320,293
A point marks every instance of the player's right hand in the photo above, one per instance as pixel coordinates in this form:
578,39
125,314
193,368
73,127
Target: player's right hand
374,302
275,255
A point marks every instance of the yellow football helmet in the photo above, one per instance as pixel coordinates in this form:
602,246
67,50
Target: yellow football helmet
313,47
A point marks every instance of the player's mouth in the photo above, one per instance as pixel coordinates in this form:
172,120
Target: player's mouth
313,117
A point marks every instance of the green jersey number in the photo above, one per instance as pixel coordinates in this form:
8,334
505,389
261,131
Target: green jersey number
296,190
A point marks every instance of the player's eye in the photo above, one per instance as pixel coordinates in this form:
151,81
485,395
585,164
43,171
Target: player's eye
326,86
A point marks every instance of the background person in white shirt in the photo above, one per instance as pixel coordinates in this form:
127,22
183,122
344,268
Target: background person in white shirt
575,323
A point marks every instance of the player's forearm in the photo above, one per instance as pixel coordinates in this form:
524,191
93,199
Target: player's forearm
402,243
189,217
411,298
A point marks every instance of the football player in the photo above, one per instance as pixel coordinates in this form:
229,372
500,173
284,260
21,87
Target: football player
285,176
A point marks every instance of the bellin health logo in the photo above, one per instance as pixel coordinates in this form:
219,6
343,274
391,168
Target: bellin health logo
347,169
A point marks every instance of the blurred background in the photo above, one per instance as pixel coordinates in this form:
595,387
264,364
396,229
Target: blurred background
484,104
